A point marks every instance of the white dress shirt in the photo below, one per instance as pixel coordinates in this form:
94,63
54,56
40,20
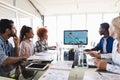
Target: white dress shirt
115,67
104,45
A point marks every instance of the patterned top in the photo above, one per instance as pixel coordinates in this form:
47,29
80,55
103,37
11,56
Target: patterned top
26,46
6,49
40,47
115,67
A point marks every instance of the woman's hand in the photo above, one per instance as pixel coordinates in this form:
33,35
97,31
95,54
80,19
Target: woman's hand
100,64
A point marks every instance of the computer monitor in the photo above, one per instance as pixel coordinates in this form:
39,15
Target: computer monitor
76,37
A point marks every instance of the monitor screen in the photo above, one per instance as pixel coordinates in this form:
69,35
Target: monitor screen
76,37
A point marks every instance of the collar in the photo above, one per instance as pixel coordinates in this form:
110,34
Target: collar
2,39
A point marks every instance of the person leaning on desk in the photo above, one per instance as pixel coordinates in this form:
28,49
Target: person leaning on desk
42,45
106,42
115,56
8,54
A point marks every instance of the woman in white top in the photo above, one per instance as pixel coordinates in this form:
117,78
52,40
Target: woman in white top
26,45
115,56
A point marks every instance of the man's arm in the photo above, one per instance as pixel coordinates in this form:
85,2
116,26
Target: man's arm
16,53
94,49
12,60
16,42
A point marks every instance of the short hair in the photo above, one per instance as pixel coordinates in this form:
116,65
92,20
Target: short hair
104,26
41,31
4,24
116,27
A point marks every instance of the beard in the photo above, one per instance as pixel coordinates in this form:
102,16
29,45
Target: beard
12,34
101,33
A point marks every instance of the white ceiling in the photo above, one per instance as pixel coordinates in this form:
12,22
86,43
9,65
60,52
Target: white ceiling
56,7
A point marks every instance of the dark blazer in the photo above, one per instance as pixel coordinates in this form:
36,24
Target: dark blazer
108,46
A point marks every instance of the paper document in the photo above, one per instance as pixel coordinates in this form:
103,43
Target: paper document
53,74
63,65
46,53
90,60
94,75
40,58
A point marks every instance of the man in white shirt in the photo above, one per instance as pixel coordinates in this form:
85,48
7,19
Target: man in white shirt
106,42
115,56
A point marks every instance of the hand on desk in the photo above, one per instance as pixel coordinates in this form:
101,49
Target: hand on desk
87,50
52,47
92,54
25,56
101,65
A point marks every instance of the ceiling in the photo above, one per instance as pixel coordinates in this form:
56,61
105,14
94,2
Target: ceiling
58,7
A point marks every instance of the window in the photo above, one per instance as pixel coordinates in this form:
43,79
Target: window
91,22
50,23
79,22
107,17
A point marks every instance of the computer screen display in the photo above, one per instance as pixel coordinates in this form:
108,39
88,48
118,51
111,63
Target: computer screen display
76,37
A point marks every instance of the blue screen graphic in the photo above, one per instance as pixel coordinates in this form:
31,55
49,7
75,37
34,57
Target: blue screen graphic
76,37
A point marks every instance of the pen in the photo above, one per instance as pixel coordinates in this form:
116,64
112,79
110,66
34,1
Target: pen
103,77
100,74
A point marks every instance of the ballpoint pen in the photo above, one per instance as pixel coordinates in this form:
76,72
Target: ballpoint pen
99,73
103,77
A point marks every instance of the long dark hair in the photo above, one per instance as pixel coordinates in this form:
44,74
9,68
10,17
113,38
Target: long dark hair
25,29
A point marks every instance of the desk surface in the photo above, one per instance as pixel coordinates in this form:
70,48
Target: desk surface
5,78
76,73
98,75
58,71
44,56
